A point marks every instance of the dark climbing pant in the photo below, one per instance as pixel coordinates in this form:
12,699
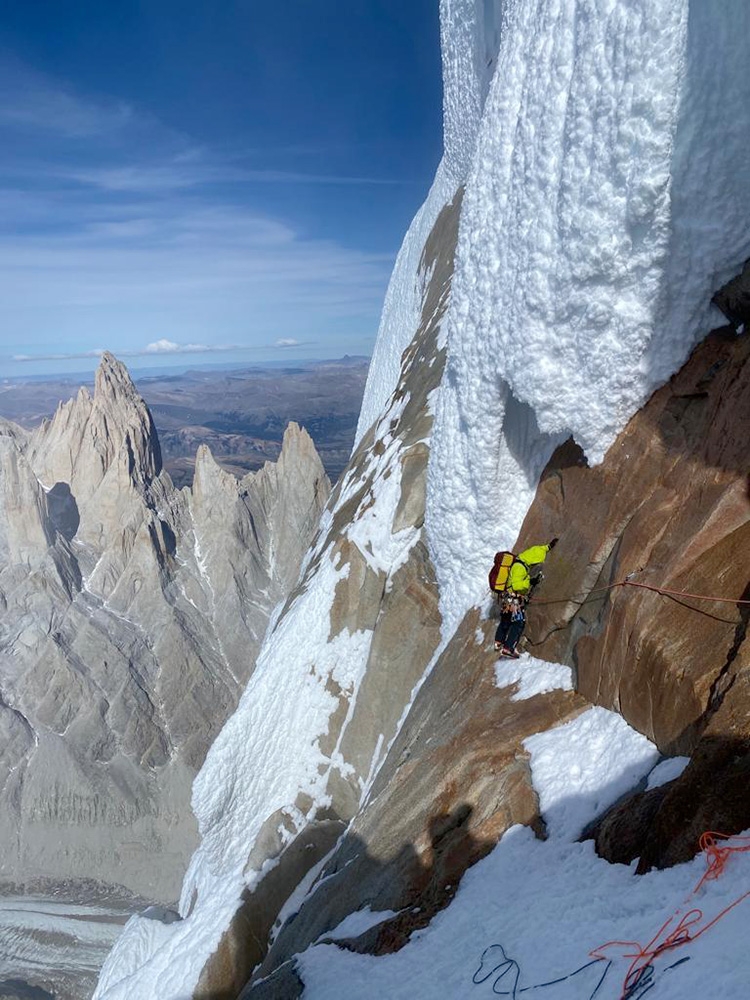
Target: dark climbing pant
510,629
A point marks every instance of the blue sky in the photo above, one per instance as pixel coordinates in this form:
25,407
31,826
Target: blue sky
196,174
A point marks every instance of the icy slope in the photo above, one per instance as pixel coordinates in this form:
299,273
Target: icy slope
607,199
469,41
335,673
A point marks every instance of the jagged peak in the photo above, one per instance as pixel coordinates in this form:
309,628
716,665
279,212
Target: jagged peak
113,380
209,475
12,430
296,438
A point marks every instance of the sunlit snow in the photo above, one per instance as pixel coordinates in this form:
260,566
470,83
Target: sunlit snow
532,676
606,201
526,919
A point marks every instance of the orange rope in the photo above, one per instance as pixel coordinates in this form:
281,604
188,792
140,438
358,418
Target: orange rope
688,927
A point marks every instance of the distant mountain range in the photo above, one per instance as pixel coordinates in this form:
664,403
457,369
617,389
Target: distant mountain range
240,413
131,613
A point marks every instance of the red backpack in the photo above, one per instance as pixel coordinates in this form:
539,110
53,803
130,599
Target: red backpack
500,572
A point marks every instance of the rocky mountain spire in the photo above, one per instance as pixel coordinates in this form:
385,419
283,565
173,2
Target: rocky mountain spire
88,436
127,647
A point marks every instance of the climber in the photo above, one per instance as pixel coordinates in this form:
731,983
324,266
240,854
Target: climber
515,594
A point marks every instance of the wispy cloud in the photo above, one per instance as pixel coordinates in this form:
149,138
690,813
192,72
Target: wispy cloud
72,356
28,100
164,346
179,173
158,347
287,342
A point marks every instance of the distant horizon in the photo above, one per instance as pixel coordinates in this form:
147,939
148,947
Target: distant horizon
157,371
219,182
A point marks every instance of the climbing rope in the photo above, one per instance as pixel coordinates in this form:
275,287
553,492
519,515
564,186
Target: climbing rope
689,927
642,586
717,848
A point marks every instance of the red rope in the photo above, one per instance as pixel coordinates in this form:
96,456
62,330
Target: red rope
688,927
681,593
644,586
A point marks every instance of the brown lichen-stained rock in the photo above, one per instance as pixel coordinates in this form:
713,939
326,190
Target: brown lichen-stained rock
670,506
410,509
406,634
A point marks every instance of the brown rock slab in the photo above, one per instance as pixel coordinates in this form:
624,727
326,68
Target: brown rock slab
669,507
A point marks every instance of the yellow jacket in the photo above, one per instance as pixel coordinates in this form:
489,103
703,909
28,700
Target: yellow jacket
519,579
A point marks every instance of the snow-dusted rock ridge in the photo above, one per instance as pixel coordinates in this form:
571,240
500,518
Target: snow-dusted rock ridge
130,617
561,267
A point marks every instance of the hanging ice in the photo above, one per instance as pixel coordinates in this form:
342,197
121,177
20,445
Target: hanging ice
608,197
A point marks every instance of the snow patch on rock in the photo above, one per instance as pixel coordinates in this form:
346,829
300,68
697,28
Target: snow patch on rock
548,904
532,676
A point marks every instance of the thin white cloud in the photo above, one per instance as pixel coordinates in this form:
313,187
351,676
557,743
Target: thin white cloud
158,347
164,346
29,100
176,174
287,342
57,357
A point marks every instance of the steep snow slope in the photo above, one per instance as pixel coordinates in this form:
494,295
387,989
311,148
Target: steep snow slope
336,670
526,918
607,200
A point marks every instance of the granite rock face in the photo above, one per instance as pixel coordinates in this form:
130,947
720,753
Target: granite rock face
396,610
130,617
451,770
669,508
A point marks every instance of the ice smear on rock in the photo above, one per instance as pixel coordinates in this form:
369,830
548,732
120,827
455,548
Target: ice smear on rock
606,200
358,922
666,770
